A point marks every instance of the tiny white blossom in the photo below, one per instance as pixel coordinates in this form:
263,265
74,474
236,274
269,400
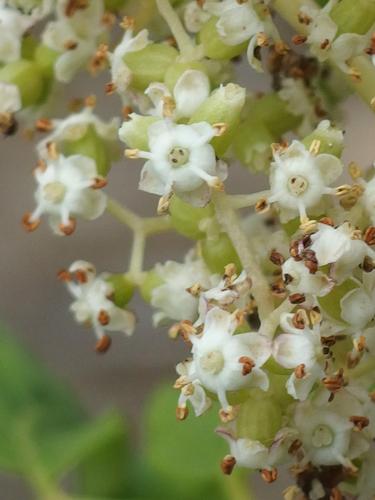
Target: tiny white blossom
192,390
181,160
299,279
195,17
10,98
66,188
92,302
299,179
357,306
225,362
13,25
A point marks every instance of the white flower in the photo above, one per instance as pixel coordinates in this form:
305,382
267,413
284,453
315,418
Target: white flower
238,23
10,98
225,362
13,25
171,298
324,42
299,179
190,91
180,160
75,126
191,390
195,17
75,37
299,348
66,189
93,304
299,279
121,74
339,246
358,306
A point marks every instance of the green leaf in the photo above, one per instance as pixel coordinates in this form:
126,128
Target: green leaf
186,455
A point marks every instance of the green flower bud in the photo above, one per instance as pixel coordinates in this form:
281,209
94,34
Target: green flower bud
223,106
259,418
213,46
151,280
93,146
28,78
150,64
252,143
45,59
29,44
123,289
354,17
330,303
134,132
186,219
177,69
331,139
272,111
218,252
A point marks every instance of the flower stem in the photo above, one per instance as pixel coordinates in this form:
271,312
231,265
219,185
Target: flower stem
124,215
365,85
137,256
175,25
230,222
238,201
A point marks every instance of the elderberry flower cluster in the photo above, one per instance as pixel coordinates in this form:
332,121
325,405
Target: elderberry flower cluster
275,303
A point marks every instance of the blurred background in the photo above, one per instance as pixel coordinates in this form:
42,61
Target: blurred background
34,305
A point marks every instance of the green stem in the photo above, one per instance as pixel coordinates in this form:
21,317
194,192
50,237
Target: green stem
365,87
231,223
124,215
238,201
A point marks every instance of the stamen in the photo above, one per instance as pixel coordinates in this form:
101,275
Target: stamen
103,344
43,125
182,412
228,463
68,229
29,223
269,476
99,183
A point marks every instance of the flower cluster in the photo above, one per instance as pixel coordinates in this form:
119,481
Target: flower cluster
276,308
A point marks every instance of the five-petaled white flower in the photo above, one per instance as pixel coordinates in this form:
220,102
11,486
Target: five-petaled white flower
223,361
93,303
299,179
181,160
67,187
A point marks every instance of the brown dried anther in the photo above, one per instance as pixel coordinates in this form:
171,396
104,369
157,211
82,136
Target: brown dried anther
359,422
269,476
103,344
369,236
8,124
72,6
247,364
68,229
227,464
297,298
276,258
29,224
182,412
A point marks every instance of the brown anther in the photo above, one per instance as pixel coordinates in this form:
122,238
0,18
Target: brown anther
281,48
299,39
126,111
295,446
247,364
310,261
269,476
360,344
103,317
359,422
90,101
110,88
276,258
163,204
171,41
29,224
297,298
227,464
182,412
103,344
328,341
8,124
343,190
278,288
262,206
228,414
99,183
368,264
108,19
81,276
300,371
70,44
72,6
287,279
300,319
220,128
52,150
184,328
195,290
262,40
43,125
127,23
335,494
327,221
325,44
354,170
132,154
315,147
304,18
68,229
64,275
334,382
169,106
369,236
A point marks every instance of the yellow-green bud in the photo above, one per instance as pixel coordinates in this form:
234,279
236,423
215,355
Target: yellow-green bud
186,219
150,64
213,46
123,289
151,280
28,78
252,145
177,69
218,252
45,58
330,138
134,132
354,16
223,106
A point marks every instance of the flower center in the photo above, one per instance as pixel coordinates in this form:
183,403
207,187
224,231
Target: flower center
178,157
322,436
54,192
297,185
213,362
